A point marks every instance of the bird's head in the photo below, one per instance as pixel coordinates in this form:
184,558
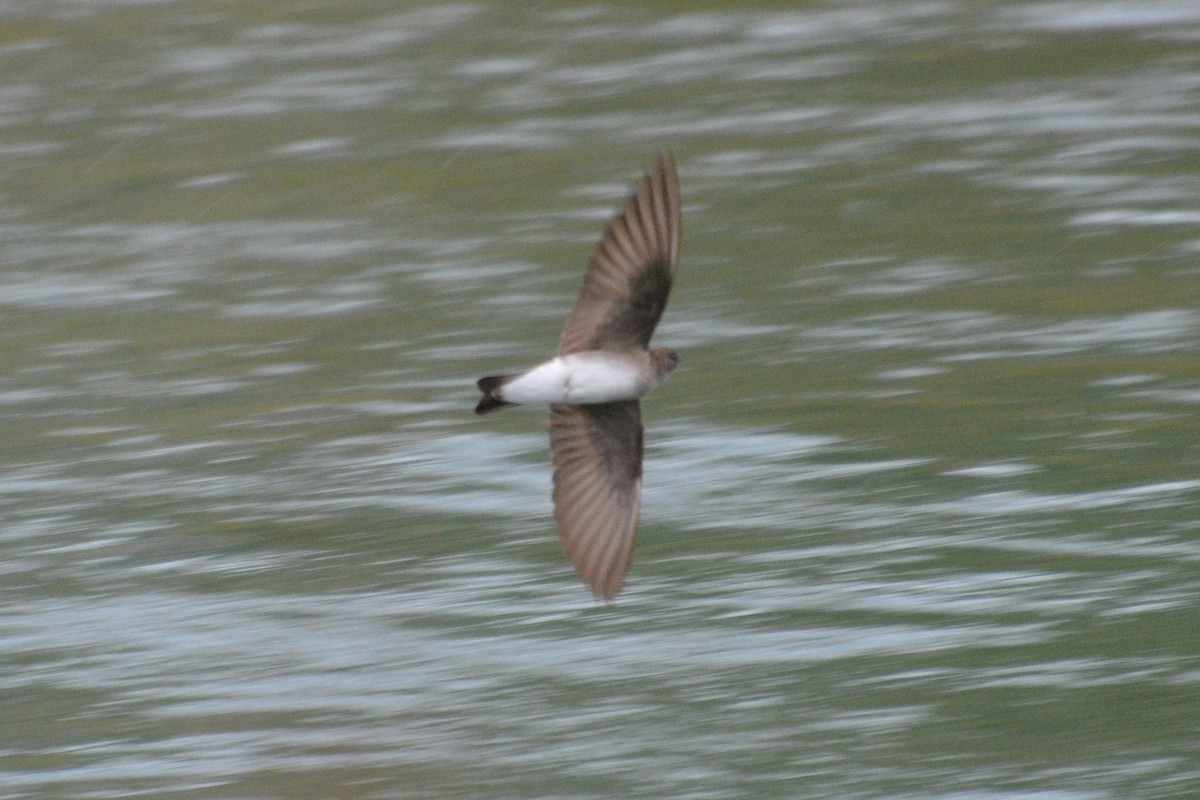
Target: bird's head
665,360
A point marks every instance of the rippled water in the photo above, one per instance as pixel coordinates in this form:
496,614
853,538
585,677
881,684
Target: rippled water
920,515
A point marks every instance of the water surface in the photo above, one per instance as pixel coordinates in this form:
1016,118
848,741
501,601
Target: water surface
921,504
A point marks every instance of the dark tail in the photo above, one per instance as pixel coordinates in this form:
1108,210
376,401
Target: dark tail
491,400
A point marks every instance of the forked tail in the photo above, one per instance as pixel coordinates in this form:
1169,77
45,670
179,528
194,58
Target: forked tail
490,386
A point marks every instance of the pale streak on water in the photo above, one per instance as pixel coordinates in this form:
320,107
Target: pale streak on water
920,515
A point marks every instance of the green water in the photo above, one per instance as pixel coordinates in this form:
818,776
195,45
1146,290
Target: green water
920,511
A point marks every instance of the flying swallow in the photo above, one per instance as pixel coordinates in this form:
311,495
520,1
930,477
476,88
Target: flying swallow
603,367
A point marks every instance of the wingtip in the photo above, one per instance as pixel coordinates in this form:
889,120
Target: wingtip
664,170
664,164
608,594
604,588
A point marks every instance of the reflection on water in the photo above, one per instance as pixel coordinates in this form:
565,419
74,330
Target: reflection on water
919,517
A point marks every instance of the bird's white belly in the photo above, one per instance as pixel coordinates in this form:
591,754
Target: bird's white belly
577,378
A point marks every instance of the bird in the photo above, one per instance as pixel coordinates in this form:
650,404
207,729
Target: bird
594,383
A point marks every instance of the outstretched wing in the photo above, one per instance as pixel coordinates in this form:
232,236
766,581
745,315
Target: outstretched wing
597,451
627,282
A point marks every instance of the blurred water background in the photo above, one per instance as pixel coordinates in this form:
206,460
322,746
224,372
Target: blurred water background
922,503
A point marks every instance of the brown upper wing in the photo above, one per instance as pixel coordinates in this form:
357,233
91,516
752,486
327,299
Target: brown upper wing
627,282
597,451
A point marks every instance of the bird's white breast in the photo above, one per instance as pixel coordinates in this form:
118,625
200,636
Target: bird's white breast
578,378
